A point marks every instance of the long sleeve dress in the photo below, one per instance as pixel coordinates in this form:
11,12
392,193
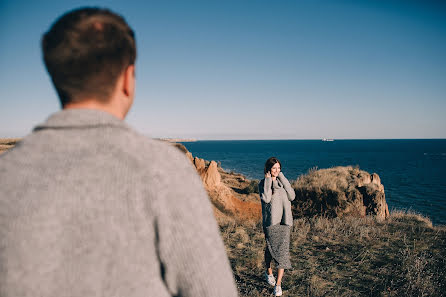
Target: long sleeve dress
276,196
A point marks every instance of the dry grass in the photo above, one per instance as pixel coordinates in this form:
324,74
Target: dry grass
402,256
411,216
339,191
7,143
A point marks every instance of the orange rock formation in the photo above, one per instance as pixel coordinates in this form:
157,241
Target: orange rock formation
223,197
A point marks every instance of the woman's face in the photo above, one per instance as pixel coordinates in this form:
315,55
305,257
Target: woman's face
275,170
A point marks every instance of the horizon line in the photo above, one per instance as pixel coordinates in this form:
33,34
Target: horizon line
189,139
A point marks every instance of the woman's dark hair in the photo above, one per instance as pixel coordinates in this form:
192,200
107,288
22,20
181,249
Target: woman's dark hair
85,51
270,163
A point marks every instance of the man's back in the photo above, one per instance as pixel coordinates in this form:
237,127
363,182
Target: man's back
90,208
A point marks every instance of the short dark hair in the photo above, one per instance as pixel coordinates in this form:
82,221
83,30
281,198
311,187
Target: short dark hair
85,51
270,163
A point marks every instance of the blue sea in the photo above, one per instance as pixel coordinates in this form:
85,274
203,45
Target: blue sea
413,171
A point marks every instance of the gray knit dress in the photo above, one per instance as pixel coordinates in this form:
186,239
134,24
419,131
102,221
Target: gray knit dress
276,196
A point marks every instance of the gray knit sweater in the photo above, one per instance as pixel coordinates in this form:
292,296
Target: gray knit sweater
276,204
88,207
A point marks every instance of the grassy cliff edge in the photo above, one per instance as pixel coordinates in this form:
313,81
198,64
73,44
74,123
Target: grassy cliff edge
401,256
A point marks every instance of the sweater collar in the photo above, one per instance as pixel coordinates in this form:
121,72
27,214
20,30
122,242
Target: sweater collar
277,184
81,118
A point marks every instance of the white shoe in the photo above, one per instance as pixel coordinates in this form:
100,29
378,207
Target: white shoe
278,291
270,279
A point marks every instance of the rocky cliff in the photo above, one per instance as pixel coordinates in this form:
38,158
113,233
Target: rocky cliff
226,201
340,191
333,192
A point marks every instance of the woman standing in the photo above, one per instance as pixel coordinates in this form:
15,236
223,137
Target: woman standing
276,195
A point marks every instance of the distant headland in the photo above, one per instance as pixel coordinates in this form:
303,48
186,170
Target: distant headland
7,143
177,139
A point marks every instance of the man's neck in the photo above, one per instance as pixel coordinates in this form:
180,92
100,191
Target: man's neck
96,104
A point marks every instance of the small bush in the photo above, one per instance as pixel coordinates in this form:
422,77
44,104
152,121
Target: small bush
253,187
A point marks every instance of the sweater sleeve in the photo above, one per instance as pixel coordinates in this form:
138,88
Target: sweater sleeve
192,256
286,184
265,190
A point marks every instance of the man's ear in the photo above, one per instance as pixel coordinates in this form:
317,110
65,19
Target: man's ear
128,86
127,90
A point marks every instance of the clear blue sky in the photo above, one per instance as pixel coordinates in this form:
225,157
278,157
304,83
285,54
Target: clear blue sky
253,69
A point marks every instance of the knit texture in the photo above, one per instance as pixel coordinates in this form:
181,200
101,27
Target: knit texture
278,245
276,204
88,207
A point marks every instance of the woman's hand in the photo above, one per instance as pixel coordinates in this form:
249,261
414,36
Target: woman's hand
289,190
281,176
268,174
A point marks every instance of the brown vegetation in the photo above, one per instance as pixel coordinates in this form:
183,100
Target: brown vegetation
7,143
340,191
349,256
